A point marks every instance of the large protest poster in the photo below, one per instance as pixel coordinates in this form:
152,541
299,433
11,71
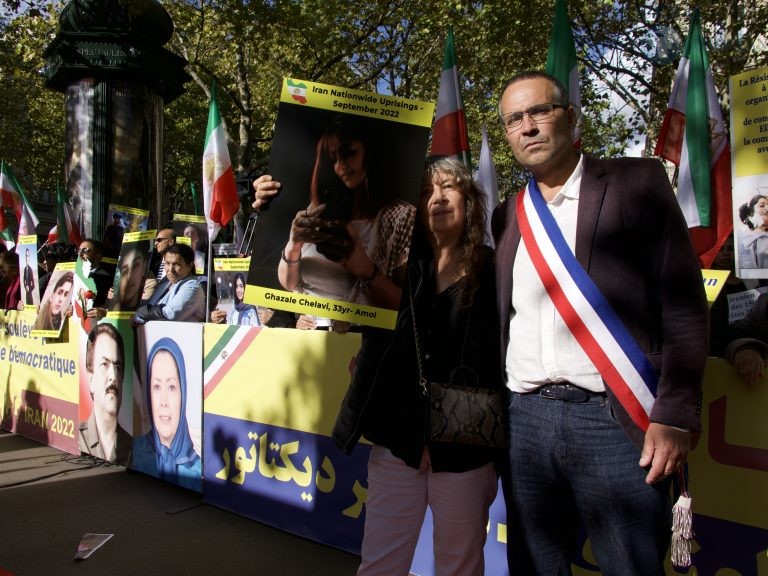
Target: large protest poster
168,410
192,230
38,382
106,378
52,316
229,277
120,221
749,162
334,243
271,396
131,273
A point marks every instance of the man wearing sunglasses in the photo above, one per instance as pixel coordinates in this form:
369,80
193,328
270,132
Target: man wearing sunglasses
604,341
164,239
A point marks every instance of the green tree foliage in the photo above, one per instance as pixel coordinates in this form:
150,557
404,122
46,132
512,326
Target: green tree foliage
32,118
393,46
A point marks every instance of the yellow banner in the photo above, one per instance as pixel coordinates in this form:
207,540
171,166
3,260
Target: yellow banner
231,264
298,378
189,218
128,210
327,97
47,367
138,236
714,282
321,307
729,468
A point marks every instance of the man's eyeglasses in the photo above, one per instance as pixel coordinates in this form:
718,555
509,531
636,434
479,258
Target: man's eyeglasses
158,240
84,251
512,121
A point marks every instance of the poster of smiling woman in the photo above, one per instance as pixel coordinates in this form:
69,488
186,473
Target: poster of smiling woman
168,398
334,243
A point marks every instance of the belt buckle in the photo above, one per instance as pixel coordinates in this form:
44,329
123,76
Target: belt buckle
564,392
551,392
573,394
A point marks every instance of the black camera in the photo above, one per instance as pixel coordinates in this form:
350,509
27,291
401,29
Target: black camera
338,204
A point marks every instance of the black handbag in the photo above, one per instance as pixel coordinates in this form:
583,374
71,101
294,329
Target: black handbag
460,411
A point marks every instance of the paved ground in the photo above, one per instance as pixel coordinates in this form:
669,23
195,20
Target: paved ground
49,499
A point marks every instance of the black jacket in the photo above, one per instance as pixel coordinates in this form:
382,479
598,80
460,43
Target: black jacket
384,402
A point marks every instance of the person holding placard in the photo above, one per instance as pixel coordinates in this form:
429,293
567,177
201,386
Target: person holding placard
351,242
445,329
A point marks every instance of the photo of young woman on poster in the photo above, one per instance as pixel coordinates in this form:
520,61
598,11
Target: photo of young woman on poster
351,242
336,207
242,314
753,236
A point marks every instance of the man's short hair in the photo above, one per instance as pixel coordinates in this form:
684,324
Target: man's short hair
97,331
97,245
186,253
171,232
560,92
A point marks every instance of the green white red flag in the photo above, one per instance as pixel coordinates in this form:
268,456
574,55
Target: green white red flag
449,132
66,228
13,197
5,236
219,188
693,137
488,182
561,59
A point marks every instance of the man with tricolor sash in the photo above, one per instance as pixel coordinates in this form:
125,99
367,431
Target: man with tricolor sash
604,323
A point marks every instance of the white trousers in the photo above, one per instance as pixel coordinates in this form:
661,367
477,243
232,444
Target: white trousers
398,496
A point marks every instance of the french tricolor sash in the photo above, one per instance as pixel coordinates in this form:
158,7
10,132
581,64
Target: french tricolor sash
588,315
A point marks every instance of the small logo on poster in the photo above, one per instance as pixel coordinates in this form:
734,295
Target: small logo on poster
298,91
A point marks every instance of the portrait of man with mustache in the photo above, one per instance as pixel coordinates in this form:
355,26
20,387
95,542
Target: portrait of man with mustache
101,435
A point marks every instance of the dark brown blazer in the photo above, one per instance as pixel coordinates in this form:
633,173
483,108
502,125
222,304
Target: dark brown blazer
632,240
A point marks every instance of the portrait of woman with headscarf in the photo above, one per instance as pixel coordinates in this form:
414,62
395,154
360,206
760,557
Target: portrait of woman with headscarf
167,451
242,314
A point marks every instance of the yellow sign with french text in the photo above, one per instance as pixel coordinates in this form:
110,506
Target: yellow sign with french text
749,122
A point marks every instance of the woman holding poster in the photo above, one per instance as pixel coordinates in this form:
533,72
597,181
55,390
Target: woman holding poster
351,243
452,308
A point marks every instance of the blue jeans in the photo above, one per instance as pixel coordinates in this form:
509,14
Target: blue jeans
571,464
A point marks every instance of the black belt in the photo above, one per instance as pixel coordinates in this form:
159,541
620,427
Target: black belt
566,393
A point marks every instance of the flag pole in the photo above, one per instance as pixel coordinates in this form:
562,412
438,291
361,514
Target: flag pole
209,274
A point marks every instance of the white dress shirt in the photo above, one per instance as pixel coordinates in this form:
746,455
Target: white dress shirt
541,348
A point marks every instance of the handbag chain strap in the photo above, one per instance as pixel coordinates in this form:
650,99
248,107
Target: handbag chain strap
422,380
